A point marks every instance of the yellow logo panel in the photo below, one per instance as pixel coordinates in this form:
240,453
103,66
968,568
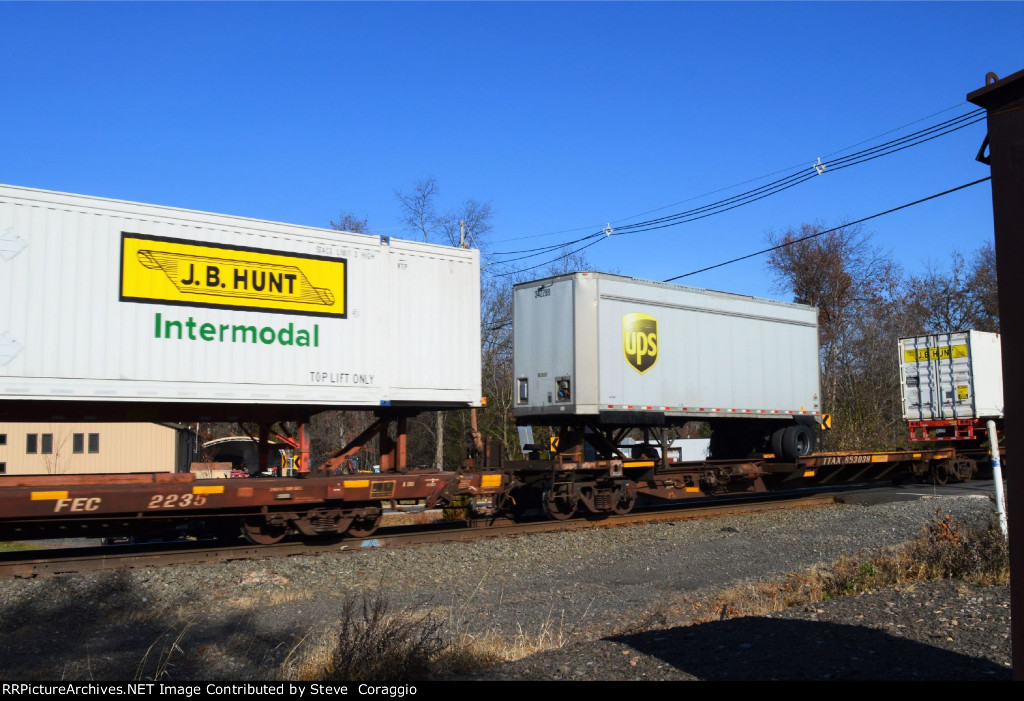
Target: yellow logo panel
940,353
640,341
175,271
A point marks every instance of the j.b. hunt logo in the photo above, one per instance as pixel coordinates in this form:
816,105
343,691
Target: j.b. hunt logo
640,341
176,271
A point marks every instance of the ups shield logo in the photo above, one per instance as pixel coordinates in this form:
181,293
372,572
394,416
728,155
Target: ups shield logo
640,341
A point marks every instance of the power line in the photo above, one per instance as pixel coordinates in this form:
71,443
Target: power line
809,173
548,262
828,231
806,173
729,187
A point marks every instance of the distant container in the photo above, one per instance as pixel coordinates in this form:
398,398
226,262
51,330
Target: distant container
679,449
950,376
613,348
110,301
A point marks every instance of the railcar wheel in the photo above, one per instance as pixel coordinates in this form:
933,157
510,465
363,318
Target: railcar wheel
940,473
364,527
626,503
559,503
257,531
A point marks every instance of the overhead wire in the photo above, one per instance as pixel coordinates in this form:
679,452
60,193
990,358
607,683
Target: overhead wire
806,173
744,182
893,146
828,231
810,172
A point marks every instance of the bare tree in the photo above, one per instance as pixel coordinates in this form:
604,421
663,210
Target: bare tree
983,283
471,223
57,463
418,207
569,261
350,222
958,299
858,291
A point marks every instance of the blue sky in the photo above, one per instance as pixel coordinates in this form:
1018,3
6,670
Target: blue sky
564,116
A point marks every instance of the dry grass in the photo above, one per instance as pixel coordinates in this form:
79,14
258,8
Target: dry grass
169,645
468,650
369,641
946,549
273,597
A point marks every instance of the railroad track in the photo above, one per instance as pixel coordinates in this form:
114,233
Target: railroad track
77,560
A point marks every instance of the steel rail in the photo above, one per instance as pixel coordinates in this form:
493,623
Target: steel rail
64,561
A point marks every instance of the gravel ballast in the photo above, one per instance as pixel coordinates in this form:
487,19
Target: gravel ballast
598,593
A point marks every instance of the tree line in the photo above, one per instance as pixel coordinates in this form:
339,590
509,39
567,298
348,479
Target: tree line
866,302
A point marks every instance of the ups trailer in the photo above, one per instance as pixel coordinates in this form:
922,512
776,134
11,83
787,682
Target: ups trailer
125,311
951,384
608,351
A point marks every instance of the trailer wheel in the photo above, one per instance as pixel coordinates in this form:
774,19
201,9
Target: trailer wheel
797,441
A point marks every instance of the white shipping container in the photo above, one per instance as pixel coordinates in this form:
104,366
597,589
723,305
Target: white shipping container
588,344
955,375
119,301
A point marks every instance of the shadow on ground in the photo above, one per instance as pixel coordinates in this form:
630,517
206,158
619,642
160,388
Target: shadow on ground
756,648
107,630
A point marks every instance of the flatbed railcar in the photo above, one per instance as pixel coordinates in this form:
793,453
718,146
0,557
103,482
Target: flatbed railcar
264,511
267,510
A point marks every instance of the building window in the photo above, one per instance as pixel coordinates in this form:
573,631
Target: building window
3,439
78,443
32,443
94,442
47,444
3,468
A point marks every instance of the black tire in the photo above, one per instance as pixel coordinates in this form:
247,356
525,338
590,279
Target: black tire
797,442
776,441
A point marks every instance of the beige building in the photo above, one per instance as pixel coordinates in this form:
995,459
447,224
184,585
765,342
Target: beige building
91,448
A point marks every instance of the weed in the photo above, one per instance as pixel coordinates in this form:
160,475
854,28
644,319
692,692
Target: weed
369,643
163,661
947,550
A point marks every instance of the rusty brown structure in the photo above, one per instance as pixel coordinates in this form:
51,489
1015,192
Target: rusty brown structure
263,510
334,501
1004,101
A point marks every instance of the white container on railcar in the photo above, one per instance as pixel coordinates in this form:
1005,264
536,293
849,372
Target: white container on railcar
624,344
957,375
120,301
